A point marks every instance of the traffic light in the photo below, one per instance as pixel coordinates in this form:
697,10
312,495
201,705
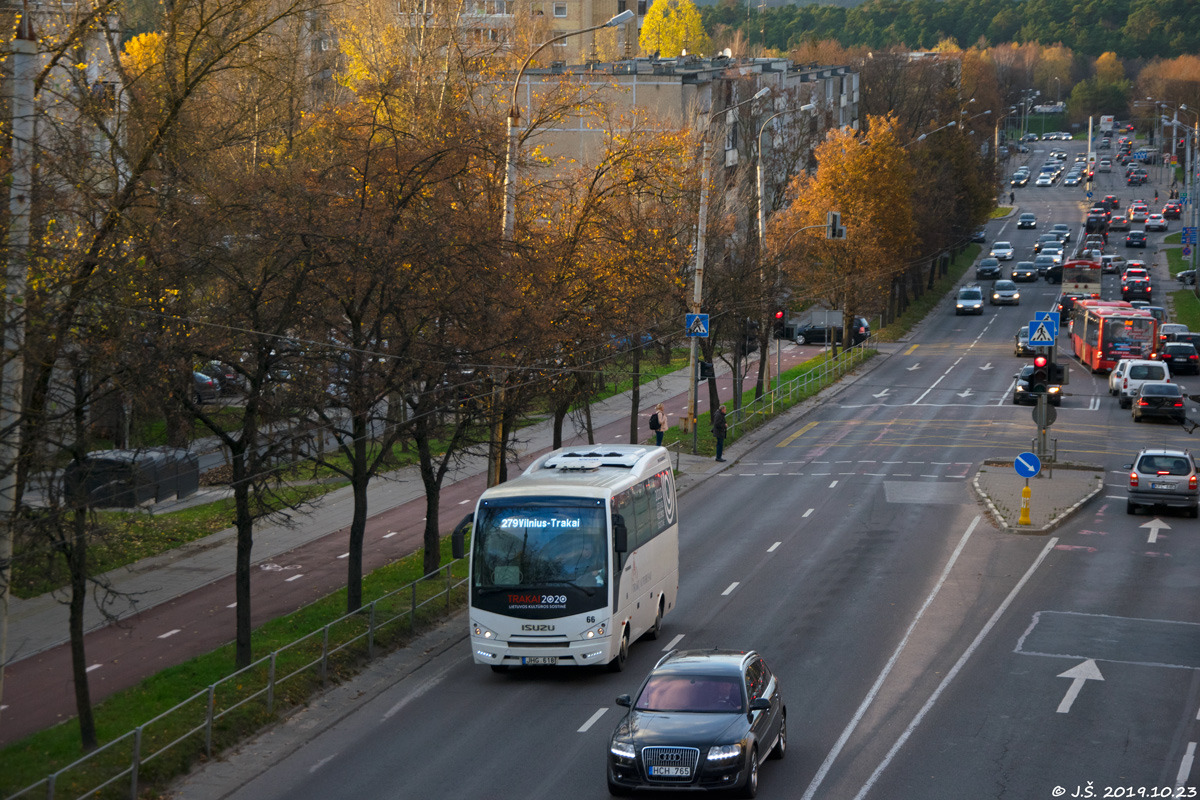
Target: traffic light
833,226
779,325
1059,375
706,369
1039,381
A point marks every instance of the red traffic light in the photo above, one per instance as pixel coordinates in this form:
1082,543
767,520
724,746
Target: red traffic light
778,315
1040,361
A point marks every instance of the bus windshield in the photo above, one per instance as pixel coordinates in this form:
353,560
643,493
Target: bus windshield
1128,337
541,557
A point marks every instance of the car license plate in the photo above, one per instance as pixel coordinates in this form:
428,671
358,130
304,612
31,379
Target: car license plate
534,661
671,772
1166,486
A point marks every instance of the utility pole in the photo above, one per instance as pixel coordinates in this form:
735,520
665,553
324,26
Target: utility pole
20,196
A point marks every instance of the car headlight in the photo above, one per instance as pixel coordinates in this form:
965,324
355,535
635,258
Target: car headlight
595,630
1055,389
622,749
960,305
1016,295
481,631
996,296
1020,388
724,752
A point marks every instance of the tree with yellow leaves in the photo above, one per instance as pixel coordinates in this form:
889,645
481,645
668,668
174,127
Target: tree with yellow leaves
672,27
866,179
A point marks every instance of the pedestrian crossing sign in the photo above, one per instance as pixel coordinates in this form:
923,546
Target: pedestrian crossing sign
697,325
1040,332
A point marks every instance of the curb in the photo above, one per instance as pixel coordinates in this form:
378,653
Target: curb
998,518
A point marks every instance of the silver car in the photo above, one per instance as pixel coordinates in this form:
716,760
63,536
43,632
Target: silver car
1002,251
969,301
1163,478
1005,293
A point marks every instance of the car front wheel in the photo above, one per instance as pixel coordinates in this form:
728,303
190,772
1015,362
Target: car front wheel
750,787
800,338
780,749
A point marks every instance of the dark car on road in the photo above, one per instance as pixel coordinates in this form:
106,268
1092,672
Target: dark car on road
1135,239
1027,220
1173,209
823,334
1111,202
988,269
979,236
1066,303
1021,393
1180,357
1025,272
1136,289
702,719
1158,400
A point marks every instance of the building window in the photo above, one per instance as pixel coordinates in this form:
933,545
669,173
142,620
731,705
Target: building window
560,9
642,5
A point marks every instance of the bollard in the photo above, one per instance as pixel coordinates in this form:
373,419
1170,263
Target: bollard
1025,493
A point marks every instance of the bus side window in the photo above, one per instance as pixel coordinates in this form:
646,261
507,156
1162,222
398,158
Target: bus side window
624,506
645,515
658,503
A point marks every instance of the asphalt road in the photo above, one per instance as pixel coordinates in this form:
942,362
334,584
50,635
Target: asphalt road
922,653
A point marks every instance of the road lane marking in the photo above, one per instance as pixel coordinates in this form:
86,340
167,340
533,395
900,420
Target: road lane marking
321,763
798,434
390,534
232,605
833,484
732,586
887,669
344,555
93,666
807,513
933,698
169,633
673,642
774,547
592,720
293,578
1185,767
911,350
464,502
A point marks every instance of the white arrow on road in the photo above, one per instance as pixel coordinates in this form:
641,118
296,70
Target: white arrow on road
1087,671
965,394
915,366
1155,525
986,366
884,393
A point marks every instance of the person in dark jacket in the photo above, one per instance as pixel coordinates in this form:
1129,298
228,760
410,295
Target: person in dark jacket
719,429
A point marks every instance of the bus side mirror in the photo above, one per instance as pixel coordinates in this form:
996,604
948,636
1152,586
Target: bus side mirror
458,548
620,534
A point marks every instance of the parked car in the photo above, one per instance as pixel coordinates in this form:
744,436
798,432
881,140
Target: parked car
1187,276
1163,477
702,719
823,334
1181,357
229,380
1027,220
204,388
1137,371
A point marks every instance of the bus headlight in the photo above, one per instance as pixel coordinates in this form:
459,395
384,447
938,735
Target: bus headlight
595,631
481,631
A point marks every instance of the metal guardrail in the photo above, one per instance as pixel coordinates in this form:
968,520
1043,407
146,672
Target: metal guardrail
827,372
208,706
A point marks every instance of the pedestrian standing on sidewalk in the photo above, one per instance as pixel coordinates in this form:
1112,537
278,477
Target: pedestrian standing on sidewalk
658,424
1012,199
719,429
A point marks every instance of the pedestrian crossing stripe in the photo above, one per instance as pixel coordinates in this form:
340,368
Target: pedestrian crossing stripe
1040,335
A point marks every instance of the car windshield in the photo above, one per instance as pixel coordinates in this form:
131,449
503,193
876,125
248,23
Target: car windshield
695,693
1004,286
970,294
1165,465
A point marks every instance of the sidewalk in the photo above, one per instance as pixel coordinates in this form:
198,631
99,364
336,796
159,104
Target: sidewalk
39,624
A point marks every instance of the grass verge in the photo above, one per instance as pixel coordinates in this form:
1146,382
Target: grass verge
1187,308
32,759
123,537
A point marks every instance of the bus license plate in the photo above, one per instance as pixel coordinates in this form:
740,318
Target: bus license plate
671,772
534,661
1167,486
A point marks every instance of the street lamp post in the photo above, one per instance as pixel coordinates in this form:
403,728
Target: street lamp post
1192,152
698,280
1057,91
514,120
762,242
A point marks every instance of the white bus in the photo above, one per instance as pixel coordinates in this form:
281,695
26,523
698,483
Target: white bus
574,559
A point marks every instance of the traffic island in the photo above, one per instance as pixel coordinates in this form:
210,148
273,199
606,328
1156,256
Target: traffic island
1055,493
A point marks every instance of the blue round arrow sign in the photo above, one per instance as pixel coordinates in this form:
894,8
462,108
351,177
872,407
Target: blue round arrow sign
1027,465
